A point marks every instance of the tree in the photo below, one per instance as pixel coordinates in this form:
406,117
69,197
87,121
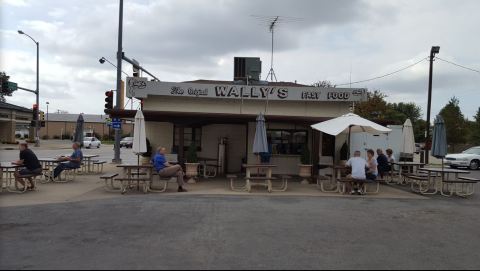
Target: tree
455,123
4,92
323,84
475,129
375,107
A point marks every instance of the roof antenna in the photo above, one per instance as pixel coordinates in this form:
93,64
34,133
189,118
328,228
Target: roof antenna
271,73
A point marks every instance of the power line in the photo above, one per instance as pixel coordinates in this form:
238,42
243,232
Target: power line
385,75
458,65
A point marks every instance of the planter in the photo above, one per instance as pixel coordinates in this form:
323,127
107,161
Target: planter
191,172
305,173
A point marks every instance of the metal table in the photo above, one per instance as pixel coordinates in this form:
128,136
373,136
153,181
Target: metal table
6,177
412,167
129,177
88,160
438,184
203,161
268,175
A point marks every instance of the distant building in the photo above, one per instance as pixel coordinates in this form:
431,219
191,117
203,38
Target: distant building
13,119
60,125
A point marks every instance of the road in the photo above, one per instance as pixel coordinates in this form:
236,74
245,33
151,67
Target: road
171,231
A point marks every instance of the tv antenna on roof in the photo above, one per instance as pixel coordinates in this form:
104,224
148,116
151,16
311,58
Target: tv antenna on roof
273,22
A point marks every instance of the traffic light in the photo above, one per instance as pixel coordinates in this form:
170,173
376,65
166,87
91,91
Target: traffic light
42,115
108,100
35,112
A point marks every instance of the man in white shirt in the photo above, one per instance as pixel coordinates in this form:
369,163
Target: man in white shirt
358,165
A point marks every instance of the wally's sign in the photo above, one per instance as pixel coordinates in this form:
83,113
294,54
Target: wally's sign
141,88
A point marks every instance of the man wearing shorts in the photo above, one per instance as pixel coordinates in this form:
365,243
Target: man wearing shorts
29,160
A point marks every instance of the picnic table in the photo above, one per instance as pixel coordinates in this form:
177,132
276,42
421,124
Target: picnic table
204,162
134,173
251,180
87,158
411,167
438,183
7,169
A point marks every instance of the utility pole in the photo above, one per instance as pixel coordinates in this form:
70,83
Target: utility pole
117,158
433,51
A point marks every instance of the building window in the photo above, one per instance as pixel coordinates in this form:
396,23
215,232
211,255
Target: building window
288,142
190,135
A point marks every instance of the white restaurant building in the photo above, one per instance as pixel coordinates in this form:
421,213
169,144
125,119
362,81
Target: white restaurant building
210,112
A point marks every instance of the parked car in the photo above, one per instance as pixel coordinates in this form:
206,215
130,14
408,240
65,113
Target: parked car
126,142
469,158
91,142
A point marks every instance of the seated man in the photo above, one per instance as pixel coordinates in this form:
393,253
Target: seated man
74,161
358,165
383,163
165,169
31,163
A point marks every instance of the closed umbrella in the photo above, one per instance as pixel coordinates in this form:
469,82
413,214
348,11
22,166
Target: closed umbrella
260,143
139,136
439,140
79,130
408,137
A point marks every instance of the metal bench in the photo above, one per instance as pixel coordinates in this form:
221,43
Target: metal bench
163,187
109,185
283,185
145,181
267,183
233,186
342,185
99,165
21,190
463,187
327,185
422,181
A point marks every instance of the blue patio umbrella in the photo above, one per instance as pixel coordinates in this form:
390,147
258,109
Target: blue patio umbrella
260,143
439,140
79,130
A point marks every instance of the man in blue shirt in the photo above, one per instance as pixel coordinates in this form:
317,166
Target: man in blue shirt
72,162
165,169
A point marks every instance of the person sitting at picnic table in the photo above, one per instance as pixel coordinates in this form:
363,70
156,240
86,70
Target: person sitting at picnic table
383,163
166,170
358,166
74,161
31,163
390,157
372,166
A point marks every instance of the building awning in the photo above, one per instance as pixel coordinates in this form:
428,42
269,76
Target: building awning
197,118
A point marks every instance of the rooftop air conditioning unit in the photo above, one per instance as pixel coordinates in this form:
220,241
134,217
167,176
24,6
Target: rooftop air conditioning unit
247,68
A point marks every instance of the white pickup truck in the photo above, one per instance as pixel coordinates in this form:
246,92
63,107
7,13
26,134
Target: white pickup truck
469,158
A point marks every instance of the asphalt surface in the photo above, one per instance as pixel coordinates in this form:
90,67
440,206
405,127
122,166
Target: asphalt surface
168,232
161,231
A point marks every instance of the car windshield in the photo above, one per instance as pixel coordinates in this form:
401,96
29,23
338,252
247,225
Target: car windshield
88,138
473,151
128,139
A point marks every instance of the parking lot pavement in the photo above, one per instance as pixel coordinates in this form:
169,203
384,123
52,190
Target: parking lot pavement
200,232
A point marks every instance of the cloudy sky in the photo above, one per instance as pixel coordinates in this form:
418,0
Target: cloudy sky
197,39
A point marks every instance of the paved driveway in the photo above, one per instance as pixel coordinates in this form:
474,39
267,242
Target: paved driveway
199,232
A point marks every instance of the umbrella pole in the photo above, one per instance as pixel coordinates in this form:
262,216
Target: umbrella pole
349,134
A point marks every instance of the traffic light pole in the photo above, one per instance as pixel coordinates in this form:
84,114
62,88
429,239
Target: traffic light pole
37,124
117,158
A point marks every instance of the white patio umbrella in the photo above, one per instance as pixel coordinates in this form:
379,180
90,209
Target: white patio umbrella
139,136
408,137
350,123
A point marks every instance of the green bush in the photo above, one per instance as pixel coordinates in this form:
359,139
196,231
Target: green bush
305,155
45,137
56,137
192,154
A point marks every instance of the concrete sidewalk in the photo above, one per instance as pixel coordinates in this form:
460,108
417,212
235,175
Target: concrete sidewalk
90,187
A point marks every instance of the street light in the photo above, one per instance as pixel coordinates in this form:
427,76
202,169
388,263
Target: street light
103,60
47,118
435,50
37,92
